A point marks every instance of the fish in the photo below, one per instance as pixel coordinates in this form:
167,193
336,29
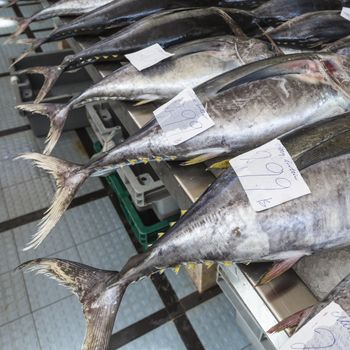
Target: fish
222,227
341,46
59,8
117,14
245,117
194,63
311,30
172,27
340,295
242,4
277,11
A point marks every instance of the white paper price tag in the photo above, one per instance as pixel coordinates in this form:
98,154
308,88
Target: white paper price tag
269,176
148,57
183,117
345,12
329,329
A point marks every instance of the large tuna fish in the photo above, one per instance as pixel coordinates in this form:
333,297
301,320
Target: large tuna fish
311,30
194,63
222,226
245,116
60,8
166,28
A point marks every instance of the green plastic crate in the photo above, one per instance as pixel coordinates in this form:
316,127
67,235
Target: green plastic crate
146,235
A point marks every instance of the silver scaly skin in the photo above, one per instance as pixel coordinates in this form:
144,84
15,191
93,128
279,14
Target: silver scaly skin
275,105
193,64
220,226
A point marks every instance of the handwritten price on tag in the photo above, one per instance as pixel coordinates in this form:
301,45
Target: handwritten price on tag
183,117
269,176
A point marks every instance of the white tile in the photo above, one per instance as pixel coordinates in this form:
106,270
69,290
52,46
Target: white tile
61,325
42,290
165,337
19,335
215,324
13,298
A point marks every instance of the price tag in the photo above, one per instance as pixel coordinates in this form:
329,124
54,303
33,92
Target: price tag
148,57
329,329
183,117
269,176
345,12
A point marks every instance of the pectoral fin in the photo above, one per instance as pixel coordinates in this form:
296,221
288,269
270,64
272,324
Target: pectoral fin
200,159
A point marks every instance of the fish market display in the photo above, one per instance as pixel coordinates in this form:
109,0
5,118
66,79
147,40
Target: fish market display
340,295
222,226
274,11
195,62
242,4
172,27
60,8
311,30
245,116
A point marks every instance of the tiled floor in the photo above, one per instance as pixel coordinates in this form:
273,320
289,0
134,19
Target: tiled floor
36,313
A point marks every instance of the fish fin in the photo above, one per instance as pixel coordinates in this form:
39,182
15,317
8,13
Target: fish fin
183,212
291,321
57,114
200,159
100,301
69,177
278,268
36,43
142,102
11,3
277,49
223,164
51,74
23,24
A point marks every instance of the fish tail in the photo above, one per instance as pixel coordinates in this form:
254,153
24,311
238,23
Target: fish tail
100,300
69,177
51,74
57,114
34,45
292,321
11,3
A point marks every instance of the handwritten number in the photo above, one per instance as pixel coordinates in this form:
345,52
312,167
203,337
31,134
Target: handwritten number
322,332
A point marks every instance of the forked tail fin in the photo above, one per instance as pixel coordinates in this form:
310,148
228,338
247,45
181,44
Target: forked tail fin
92,286
57,114
292,321
35,44
23,24
69,177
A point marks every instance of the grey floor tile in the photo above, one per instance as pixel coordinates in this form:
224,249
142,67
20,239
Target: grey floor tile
10,117
214,323
7,12
181,282
28,196
111,251
53,46
58,240
42,290
11,147
8,252
92,220
4,214
165,337
13,298
19,335
61,325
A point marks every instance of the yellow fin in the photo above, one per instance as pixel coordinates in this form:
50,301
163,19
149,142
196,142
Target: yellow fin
208,263
161,271
228,263
142,102
200,159
177,268
171,224
190,265
183,212
144,160
132,161
224,164
161,234
158,159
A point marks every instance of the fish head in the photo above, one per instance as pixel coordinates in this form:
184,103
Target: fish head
337,68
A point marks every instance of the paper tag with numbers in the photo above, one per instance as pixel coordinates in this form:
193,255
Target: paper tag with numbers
269,176
329,329
148,57
345,13
183,117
